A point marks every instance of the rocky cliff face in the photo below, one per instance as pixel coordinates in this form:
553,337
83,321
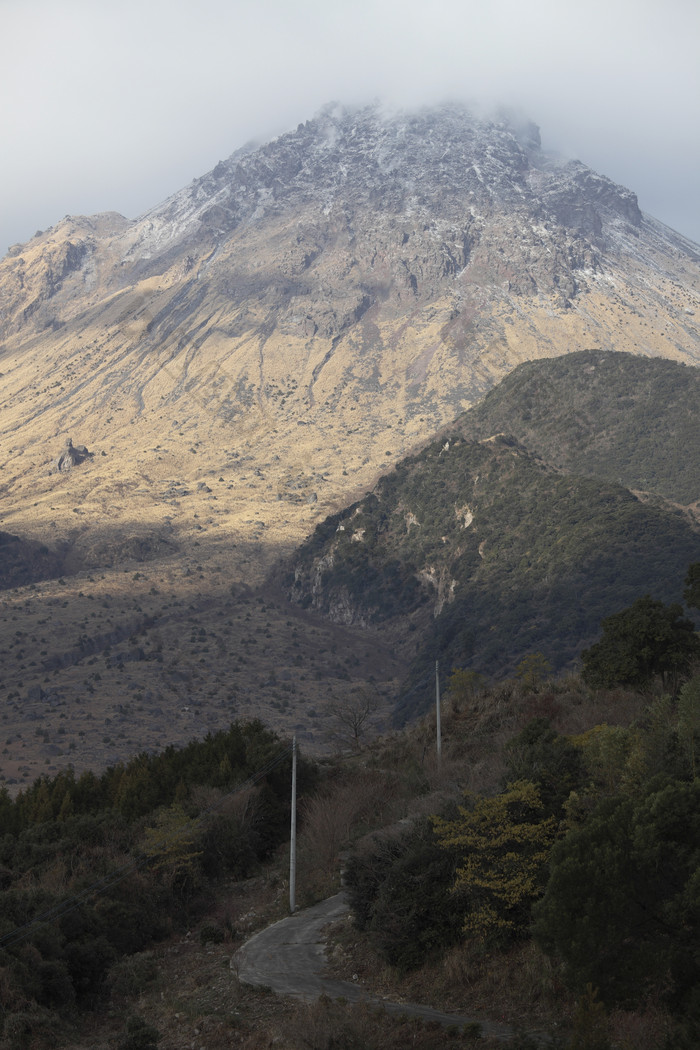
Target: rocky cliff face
313,308
406,202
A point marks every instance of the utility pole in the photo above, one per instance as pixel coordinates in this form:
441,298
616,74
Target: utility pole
293,836
437,714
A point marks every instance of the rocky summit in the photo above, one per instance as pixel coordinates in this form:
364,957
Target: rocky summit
251,354
312,308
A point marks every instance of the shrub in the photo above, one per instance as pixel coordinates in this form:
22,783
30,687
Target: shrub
540,755
138,1035
621,907
130,975
399,890
502,846
212,933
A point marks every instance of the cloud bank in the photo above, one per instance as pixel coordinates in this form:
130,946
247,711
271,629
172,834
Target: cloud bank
113,106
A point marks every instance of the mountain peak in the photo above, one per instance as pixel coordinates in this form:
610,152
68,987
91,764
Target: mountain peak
370,272
251,354
441,166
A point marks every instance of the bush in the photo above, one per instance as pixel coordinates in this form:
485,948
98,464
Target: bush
130,975
212,933
29,1029
138,1035
502,847
622,905
538,754
399,891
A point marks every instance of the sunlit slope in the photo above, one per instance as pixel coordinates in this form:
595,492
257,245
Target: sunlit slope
251,355
311,310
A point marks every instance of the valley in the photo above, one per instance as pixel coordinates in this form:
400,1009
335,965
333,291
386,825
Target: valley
98,666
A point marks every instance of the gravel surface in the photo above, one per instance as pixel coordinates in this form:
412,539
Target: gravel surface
289,958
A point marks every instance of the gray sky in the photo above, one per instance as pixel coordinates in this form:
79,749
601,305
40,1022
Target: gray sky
112,105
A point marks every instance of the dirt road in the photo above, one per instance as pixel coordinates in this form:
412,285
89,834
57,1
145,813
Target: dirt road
289,958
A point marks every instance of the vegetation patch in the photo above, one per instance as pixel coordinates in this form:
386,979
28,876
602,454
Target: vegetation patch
545,556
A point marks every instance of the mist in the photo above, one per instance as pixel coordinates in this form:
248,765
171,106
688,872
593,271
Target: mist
112,107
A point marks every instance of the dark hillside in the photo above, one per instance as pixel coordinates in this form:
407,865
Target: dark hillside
23,562
621,418
493,555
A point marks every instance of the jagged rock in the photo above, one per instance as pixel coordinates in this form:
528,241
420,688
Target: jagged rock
71,456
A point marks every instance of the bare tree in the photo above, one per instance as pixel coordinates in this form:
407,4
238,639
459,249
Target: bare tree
352,715
330,819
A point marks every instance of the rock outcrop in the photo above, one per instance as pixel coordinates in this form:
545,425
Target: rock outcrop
71,456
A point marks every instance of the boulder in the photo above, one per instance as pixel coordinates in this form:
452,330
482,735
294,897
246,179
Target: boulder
71,456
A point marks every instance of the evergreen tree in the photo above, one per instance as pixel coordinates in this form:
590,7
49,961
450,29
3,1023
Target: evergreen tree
638,644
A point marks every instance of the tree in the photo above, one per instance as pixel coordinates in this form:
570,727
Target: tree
532,670
543,757
173,849
613,758
622,903
689,718
691,594
399,890
463,685
353,715
330,817
503,845
647,640
231,835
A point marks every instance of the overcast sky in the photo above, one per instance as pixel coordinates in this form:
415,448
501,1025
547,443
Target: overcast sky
115,104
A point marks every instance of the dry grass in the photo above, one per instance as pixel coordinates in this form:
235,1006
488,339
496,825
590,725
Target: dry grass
519,987
213,461
516,987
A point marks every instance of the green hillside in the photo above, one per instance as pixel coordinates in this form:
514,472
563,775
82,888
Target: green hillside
630,420
491,553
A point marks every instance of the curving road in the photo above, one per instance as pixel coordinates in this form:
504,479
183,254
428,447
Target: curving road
289,958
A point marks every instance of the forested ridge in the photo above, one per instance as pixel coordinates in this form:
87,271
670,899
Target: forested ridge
539,512
588,849
96,868
608,415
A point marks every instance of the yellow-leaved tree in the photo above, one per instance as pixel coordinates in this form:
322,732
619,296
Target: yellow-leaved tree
503,845
172,847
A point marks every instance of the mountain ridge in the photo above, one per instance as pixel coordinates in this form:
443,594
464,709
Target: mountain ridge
249,355
258,310
492,545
